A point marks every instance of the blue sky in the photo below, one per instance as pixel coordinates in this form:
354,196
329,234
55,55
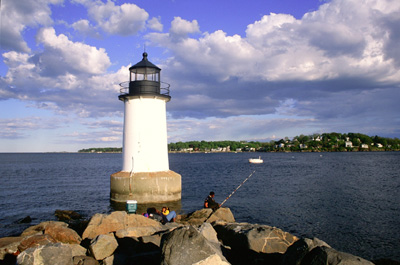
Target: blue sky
239,70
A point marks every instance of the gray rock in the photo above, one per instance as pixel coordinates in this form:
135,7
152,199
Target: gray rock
258,238
50,254
208,232
299,249
103,246
329,256
185,245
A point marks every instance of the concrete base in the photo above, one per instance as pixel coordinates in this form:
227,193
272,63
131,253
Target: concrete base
146,187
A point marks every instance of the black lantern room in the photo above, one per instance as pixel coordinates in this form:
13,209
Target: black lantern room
144,80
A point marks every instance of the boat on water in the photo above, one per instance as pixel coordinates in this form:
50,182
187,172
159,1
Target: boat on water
256,160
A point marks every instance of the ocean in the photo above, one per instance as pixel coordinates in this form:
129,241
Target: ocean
349,200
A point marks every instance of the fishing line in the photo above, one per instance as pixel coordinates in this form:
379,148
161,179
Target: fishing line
237,188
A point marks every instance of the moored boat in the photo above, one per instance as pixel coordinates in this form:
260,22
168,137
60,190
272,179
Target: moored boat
256,160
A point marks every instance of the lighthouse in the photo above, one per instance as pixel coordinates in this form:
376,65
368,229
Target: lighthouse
145,175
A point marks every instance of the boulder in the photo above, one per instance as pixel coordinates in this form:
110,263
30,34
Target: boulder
258,238
207,215
50,254
77,250
103,246
326,255
9,245
101,224
299,249
185,245
108,261
136,231
208,232
62,234
84,260
66,215
222,214
35,241
39,229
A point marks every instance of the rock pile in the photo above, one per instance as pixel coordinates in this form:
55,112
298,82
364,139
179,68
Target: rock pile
202,238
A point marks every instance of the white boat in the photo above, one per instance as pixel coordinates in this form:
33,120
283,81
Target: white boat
256,160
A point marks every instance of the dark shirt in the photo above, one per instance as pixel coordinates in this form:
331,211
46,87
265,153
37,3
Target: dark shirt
211,203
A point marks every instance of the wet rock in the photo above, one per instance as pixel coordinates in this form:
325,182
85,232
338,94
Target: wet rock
101,224
66,215
25,220
50,254
185,245
103,246
258,238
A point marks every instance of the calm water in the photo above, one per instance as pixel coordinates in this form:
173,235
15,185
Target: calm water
349,200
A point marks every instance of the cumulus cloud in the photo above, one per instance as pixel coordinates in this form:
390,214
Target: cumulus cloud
342,46
65,75
155,24
62,55
126,19
84,28
181,27
16,16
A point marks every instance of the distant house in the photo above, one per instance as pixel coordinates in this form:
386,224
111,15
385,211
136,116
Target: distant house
364,146
348,144
281,145
303,146
379,145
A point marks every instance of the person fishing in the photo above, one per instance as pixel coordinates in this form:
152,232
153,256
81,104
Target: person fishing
209,202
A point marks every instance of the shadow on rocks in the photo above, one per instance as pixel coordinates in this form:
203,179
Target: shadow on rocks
250,257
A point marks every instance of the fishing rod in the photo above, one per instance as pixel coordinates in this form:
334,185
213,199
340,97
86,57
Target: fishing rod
237,188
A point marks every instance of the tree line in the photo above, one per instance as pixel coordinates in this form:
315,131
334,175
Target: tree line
327,142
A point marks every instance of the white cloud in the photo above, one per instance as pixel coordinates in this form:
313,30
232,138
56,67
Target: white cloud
155,24
181,27
126,19
62,55
16,16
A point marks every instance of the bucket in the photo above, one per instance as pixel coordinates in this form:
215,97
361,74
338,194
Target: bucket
131,206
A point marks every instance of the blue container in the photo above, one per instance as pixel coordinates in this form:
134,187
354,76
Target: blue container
131,206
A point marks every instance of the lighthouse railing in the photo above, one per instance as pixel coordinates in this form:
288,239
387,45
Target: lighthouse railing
124,88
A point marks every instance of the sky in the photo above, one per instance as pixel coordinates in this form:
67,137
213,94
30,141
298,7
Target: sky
256,70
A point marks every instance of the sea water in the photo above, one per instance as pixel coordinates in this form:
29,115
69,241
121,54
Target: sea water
349,200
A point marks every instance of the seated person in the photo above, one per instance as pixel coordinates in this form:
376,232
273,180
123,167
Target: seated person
167,215
210,203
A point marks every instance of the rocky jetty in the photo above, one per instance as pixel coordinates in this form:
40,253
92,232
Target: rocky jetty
203,237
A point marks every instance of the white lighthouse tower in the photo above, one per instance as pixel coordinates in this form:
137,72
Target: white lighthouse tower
145,175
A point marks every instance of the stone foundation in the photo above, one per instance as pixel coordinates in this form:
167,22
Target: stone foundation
146,187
